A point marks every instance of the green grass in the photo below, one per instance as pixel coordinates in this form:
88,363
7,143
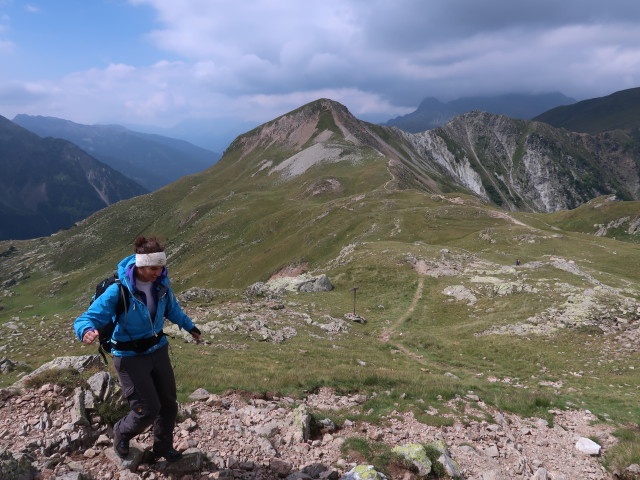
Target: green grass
625,453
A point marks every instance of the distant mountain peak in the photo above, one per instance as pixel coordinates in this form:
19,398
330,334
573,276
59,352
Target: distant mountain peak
323,126
432,113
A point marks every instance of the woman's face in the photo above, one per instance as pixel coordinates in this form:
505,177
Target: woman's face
148,274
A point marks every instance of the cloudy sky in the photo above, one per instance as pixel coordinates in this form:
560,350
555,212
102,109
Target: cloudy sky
160,62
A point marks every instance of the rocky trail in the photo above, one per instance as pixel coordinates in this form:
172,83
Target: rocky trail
53,433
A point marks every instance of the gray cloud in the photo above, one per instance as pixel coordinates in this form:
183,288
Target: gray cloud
258,59
405,49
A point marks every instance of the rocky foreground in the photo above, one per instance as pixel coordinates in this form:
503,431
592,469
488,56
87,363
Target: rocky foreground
55,433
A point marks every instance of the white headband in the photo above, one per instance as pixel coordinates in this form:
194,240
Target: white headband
151,259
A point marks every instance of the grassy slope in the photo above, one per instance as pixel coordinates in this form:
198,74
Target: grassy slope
615,111
589,217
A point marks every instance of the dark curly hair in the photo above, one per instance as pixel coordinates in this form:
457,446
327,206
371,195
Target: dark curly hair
147,245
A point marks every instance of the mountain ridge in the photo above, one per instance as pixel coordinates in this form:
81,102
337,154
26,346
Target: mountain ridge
149,159
432,113
49,183
616,111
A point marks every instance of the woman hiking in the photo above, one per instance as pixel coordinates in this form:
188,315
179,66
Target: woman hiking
140,347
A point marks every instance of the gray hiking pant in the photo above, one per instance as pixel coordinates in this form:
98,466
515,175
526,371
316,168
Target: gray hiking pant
149,385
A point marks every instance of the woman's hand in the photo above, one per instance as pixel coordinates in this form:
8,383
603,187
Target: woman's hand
89,336
195,333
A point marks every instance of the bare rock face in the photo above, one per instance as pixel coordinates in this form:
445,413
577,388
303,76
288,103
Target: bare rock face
522,165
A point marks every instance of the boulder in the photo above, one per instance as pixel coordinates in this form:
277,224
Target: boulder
353,317
100,385
200,394
301,424
321,283
588,446
79,363
363,472
258,289
416,454
450,466
79,412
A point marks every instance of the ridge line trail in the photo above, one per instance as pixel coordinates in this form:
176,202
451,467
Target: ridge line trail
387,332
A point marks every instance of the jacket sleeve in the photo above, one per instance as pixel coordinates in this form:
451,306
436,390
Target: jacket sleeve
100,312
175,314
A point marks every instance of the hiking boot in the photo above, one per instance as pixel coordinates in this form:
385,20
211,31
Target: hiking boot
122,448
171,455
120,445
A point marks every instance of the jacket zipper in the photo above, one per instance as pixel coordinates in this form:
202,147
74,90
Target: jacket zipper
150,319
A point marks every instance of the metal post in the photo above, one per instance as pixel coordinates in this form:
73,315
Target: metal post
355,289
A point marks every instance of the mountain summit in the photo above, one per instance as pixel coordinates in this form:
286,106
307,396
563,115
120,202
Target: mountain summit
321,131
515,164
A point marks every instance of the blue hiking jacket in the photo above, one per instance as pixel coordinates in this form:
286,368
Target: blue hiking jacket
136,322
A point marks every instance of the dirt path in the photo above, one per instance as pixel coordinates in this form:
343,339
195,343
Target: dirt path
389,331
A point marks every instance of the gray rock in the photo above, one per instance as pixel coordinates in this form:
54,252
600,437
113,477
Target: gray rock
79,412
588,446
79,363
196,294
320,283
16,466
280,467
192,461
315,470
354,317
258,289
301,424
634,469
131,461
492,451
200,394
99,384
266,446
540,474
301,283
493,475
71,476
417,455
363,472
450,466
299,476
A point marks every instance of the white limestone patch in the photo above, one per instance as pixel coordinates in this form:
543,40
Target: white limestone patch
462,293
307,158
263,165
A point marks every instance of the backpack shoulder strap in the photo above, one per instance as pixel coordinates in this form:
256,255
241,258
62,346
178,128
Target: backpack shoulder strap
123,299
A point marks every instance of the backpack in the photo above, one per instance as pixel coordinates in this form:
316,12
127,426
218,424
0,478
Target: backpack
105,332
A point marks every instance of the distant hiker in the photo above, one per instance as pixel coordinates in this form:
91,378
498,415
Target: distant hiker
517,262
140,347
